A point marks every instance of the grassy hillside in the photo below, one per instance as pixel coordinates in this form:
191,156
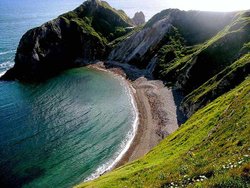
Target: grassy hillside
227,79
98,16
211,149
156,36
195,26
207,70
197,64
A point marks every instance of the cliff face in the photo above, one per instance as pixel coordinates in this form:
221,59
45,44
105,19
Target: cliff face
186,49
71,39
194,26
53,47
208,70
138,48
216,86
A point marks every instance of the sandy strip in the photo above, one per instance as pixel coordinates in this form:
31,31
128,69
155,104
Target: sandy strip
157,114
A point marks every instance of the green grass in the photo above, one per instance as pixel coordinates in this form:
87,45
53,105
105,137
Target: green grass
124,37
217,85
101,21
120,13
87,28
215,54
211,149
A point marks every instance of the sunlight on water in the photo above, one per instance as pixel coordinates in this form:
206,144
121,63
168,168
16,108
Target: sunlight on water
58,133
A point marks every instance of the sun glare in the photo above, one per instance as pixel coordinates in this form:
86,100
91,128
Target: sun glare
151,7
210,5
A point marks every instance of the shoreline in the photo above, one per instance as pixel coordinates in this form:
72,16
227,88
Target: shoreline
126,144
156,115
2,73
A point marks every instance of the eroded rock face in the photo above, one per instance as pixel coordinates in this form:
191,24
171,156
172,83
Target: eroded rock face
138,49
54,46
139,18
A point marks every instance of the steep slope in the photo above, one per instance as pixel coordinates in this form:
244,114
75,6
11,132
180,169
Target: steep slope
206,55
227,79
222,50
208,70
211,149
194,26
69,40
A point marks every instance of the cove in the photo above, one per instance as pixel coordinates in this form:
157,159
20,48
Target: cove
58,133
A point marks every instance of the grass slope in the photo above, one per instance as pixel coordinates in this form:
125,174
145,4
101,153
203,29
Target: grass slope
100,19
211,149
227,79
189,69
195,26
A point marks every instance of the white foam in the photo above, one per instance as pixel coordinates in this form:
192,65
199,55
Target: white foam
7,64
2,73
125,144
7,52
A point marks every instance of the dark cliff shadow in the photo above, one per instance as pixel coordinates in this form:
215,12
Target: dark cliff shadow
178,97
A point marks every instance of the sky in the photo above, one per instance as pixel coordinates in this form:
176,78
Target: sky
151,7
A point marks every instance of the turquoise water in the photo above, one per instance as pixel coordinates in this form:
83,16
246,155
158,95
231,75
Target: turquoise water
57,133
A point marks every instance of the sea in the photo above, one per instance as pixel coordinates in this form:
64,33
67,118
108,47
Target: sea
66,130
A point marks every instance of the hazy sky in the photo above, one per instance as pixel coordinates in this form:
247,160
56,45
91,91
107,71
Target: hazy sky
151,7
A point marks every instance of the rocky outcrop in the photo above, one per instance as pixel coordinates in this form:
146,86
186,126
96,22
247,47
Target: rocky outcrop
54,46
70,40
139,48
139,18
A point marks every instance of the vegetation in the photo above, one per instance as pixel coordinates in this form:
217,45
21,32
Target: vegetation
131,31
195,26
227,79
211,149
190,71
106,22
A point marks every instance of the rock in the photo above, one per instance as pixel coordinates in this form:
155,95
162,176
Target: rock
53,47
139,47
139,18
59,44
